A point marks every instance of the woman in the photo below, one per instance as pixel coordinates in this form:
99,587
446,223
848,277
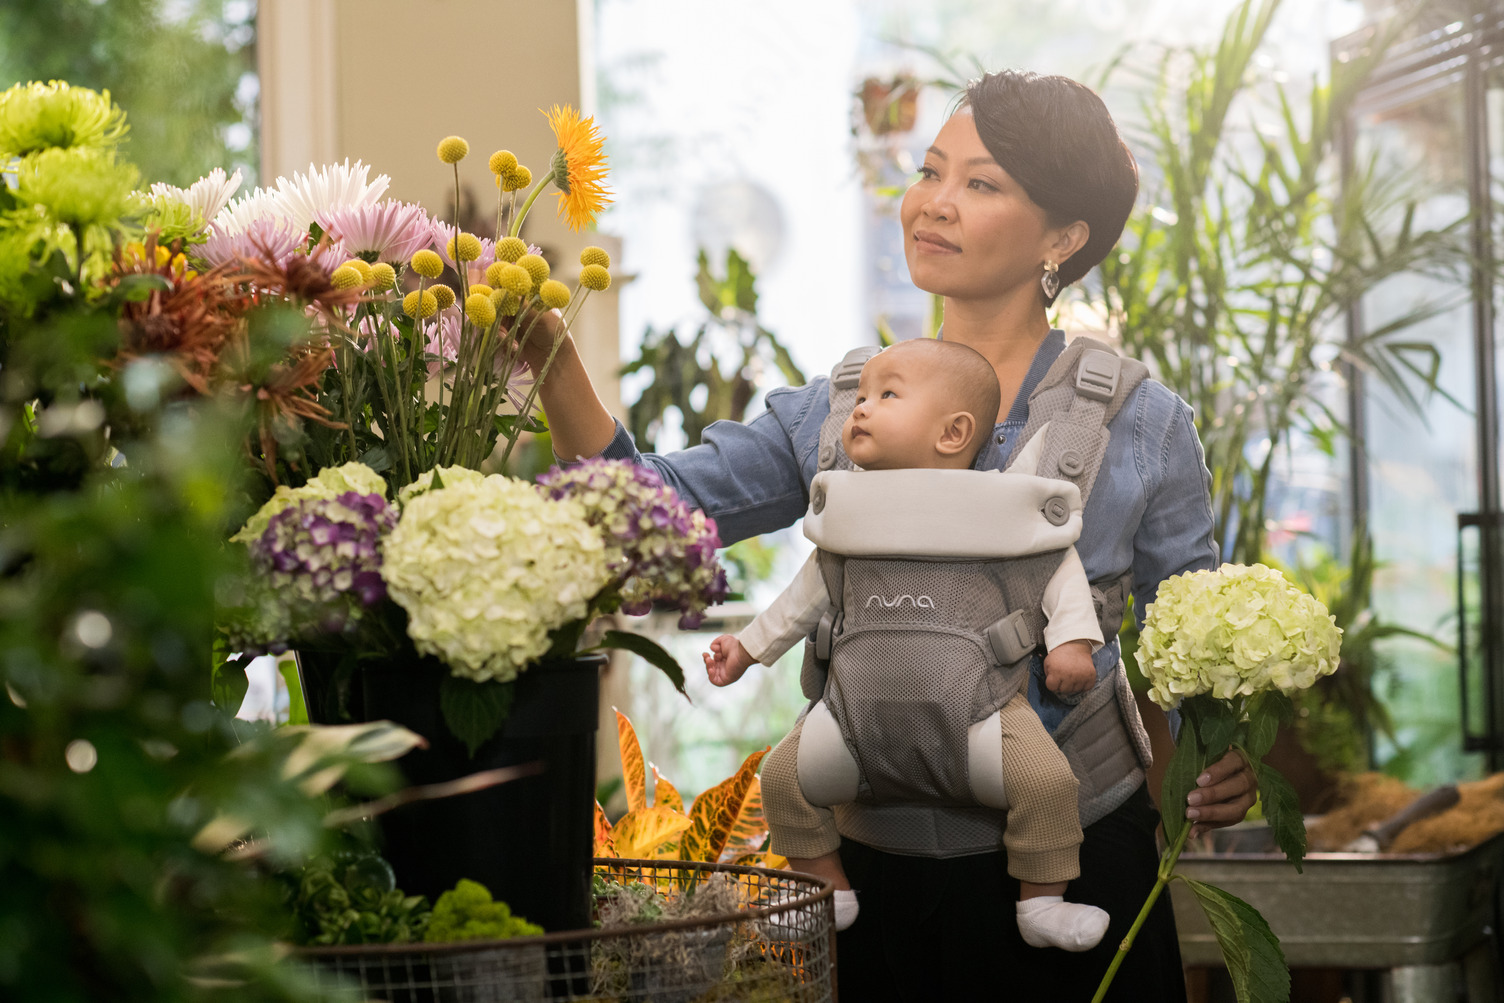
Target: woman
1026,188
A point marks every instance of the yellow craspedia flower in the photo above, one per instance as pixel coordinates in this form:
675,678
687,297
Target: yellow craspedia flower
383,276
480,310
493,273
554,294
421,305
506,303
503,162
428,264
593,255
468,244
581,175
516,280
536,267
480,287
442,295
595,277
345,277
510,249
521,177
453,149
360,266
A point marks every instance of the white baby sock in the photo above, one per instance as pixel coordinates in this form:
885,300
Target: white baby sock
847,907
1050,921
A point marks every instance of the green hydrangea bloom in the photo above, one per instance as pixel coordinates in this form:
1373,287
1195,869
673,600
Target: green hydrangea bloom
486,567
37,116
1234,632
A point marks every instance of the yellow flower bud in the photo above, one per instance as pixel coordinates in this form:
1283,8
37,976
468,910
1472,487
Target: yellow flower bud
442,295
345,277
420,305
480,310
595,277
510,249
480,287
536,267
516,280
503,162
163,256
519,178
493,273
453,149
383,276
428,264
469,247
554,294
595,256
361,267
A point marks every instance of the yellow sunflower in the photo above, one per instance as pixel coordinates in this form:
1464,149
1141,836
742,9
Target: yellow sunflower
582,166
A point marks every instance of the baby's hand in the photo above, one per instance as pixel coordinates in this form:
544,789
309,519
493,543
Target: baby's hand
726,660
1068,668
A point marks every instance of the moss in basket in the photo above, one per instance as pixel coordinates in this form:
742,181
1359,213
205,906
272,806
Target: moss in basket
467,912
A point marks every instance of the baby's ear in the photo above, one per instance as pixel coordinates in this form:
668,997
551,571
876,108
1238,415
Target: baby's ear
956,433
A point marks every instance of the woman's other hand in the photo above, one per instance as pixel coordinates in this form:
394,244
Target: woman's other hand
1224,792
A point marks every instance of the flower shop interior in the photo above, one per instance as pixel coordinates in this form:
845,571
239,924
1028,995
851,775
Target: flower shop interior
326,679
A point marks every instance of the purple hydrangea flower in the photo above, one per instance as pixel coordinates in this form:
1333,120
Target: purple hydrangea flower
659,549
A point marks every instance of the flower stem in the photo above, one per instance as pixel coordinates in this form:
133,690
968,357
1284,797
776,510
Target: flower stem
1166,870
532,197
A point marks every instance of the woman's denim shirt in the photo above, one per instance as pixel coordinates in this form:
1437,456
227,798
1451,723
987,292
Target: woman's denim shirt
1149,510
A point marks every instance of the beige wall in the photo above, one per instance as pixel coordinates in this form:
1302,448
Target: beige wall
384,80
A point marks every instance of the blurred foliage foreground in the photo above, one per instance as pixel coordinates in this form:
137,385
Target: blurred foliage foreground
125,873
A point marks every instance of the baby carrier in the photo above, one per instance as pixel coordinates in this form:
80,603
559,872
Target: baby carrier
934,624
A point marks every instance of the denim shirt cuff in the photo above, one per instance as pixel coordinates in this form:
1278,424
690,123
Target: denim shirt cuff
621,447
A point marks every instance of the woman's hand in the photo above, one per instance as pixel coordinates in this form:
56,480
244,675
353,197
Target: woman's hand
1224,793
539,328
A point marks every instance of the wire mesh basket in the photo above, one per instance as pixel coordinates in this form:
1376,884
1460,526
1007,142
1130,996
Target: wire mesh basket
778,944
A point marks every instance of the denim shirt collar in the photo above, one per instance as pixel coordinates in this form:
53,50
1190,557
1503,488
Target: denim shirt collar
996,453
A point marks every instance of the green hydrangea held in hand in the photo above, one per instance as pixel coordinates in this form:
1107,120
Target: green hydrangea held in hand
467,912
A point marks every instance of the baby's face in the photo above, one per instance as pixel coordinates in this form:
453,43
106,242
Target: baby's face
899,414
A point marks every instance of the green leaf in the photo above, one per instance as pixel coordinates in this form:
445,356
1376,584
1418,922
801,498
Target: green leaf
378,458
1180,776
474,711
1249,948
1266,712
1217,720
646,649
138,288
510,425
297,707
1282,811
228,684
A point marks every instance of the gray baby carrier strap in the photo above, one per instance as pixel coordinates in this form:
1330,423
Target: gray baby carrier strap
1102,737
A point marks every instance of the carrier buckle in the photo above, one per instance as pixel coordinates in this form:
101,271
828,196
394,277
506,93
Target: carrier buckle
1010,638
1097,376
825,634
849,372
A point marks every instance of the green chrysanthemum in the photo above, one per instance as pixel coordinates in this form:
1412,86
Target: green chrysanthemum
80,186
37,116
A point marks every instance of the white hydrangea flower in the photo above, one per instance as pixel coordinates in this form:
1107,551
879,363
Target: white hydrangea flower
486,567
331,482
206,196
1234,632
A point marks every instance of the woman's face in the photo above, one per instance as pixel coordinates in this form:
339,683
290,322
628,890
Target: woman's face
970,232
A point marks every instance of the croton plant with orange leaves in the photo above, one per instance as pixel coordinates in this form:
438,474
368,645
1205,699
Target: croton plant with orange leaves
725,824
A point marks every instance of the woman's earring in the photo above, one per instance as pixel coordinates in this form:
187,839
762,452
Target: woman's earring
1050,281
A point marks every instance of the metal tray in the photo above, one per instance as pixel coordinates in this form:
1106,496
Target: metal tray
1347,910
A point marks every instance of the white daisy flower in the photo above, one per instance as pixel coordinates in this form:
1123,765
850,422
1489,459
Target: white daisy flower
206,196
332,187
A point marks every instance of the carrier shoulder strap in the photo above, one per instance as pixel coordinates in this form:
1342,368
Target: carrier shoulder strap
843,383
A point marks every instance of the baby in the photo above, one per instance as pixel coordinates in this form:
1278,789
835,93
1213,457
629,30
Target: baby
932,404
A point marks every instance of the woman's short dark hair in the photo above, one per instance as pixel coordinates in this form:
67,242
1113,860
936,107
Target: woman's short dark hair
1055,138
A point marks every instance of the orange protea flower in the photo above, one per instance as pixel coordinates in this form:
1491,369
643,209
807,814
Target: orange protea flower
579,166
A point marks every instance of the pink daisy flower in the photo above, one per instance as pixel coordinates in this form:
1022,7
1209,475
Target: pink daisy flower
392,230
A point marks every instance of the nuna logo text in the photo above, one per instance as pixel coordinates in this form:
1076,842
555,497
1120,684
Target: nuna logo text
918,602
